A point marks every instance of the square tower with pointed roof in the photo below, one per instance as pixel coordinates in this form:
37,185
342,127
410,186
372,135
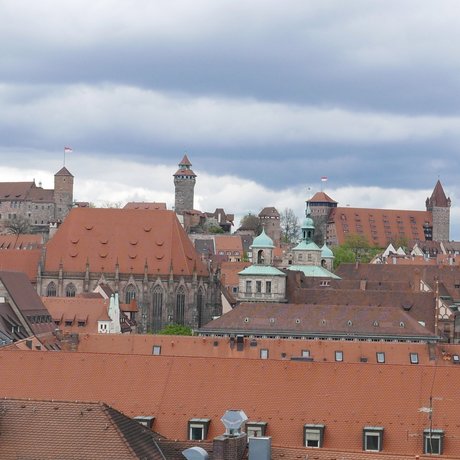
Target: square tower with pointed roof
184,184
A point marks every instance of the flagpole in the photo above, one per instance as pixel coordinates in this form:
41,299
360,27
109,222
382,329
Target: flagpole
64,156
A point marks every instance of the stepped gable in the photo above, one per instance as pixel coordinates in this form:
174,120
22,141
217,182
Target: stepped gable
71,429
438,197
129,237
345,397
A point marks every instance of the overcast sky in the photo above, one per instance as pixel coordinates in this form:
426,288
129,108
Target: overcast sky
265,96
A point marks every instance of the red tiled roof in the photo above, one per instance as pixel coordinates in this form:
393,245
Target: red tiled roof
287,394
321,197
229,272
75,309
285,349
379,226
144,205
228,243
23,261
438,197
21,241
63,172
15,191
71,430
130,237
317,320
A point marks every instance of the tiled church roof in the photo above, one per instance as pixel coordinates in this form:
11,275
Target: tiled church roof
130,237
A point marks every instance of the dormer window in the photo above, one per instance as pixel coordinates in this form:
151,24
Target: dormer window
373,438
198,428
256,429
313,435
433,441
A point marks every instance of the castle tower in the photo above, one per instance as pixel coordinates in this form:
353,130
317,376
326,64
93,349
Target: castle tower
270,219
439,206
321,206
184,183
63,193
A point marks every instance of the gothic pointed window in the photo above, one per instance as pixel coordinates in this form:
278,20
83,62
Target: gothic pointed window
157,300
130,293
51,290
70,290
180,306
199,306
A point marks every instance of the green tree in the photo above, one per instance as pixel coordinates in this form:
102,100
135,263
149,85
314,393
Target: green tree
176,329
290,228
356,248
251,222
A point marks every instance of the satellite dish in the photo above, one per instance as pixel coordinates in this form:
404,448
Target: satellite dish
233,420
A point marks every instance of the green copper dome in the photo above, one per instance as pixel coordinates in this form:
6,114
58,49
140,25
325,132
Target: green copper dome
262,241
326,252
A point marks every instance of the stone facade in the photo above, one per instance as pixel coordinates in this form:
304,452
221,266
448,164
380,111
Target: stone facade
184,185
439,206
37,205
270,220
140,254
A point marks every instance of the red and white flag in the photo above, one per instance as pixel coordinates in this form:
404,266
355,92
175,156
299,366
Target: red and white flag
68,150
324,179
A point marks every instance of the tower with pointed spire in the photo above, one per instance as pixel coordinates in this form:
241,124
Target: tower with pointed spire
439,206
184,185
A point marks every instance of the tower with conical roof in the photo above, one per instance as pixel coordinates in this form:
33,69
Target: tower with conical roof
439,206
184,184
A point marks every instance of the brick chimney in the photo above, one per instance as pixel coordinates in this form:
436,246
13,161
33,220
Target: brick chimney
229,447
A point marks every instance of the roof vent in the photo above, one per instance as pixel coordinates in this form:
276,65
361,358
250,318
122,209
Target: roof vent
272,320
246,320
297,321
401,324
350,322
233,420
375,324
195,453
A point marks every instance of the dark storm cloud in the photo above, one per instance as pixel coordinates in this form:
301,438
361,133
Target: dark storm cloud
276,92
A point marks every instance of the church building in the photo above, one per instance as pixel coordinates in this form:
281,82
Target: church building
142,254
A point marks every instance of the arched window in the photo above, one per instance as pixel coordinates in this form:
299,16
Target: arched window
51,290
180,305
130,293
157,300
70,290
199,306
260,257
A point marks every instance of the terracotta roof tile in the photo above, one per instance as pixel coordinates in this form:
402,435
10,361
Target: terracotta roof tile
344,397
321,197
438,197
144,205
127,236
21,261
72,430
379,226
78,310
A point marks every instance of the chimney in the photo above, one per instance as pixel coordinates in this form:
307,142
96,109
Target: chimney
260,448
229,447
232,444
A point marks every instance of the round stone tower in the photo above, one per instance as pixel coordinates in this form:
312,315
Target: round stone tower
184,184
